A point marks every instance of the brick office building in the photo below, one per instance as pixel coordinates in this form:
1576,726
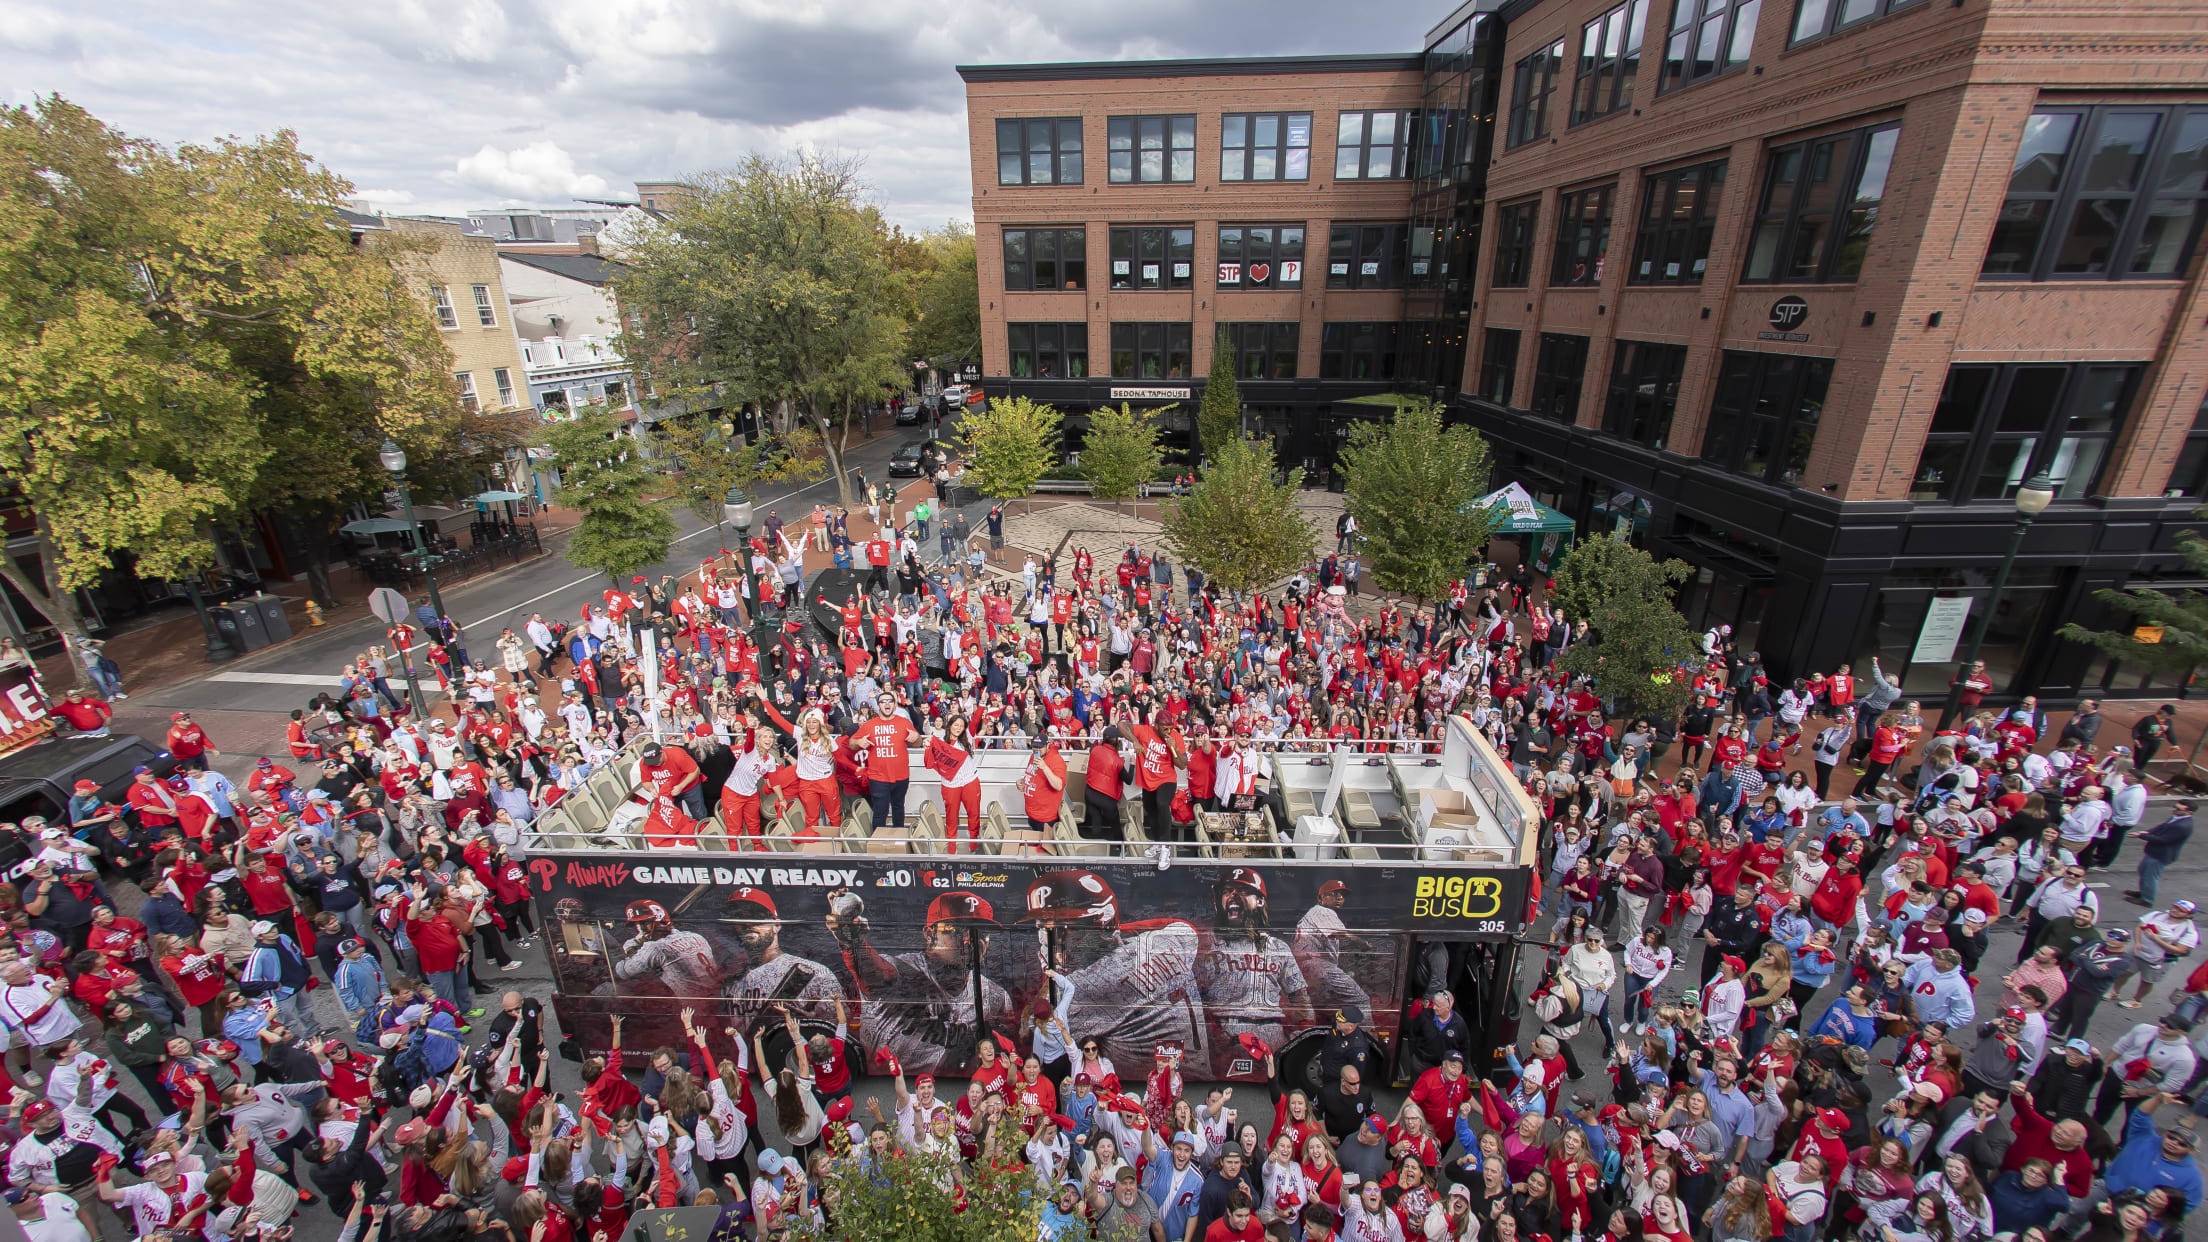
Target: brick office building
1801,291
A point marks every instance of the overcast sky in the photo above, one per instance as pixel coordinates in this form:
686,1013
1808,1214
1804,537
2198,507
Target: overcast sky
446,105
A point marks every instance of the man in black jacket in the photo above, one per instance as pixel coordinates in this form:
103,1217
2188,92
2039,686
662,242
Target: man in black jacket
1345,1107
1348,1044
1971,1126
1434,1034
1732,929
336,1167
2064,1084
2162,843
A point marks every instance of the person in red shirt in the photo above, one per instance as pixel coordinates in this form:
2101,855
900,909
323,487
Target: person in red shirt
1440,1090
155,803
85,714
442,953
1105,787
199,979
1240,1224
188,742
1155,757
887,739
676,774
1043,787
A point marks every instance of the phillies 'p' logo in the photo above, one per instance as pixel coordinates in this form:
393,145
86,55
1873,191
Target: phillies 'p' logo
544,869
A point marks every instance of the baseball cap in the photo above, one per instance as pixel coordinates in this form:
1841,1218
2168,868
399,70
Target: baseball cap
1458,1190
770,1161
2116,933
758,897
15,1194
262,927
1377,1124
1832,1119
1332,886
1735,963
37,1109
1183,1136
2182,906
1453,1055
411,1132
2181,1136
2079,1045
515,1169
176,716
351,944
841,1109
87,787
1083,1080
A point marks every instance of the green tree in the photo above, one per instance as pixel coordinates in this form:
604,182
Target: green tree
1240,524
774,284
1637,639
622,534
1219,417
1008,445
948,297
2182,617
167,317
1121,451
907,1198
1414,486
701,464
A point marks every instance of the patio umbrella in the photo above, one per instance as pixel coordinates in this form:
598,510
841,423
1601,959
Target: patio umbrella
374,526
499,495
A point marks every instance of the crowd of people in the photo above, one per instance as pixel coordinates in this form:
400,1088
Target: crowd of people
1821,1067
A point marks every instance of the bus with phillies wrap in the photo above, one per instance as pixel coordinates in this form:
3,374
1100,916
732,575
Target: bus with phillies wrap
1395,875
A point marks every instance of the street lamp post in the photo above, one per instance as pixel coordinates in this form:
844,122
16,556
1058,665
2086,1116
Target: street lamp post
394,461
736,511
217,649
2032,500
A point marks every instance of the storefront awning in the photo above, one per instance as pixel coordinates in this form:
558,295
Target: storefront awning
1518,513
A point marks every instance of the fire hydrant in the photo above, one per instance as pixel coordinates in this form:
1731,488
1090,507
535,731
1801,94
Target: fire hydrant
314,613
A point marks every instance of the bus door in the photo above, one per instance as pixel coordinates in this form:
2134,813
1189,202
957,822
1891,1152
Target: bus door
1479,975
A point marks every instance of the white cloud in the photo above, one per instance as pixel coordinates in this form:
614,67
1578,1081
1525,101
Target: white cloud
445,105
541,170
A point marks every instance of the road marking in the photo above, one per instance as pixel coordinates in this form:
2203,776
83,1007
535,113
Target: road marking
279,679
511,609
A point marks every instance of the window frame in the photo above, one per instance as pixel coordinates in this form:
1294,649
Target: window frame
1242,259
1625,415
486,315
1059,152
1339,348
1031,348
1028,235
440,304
1556,395
1173,338
1137,236
1729,432
1695,21
1831,17
1981,443
1786,223
1662,230
469,400
1393,261
503,378
1516,225
1169,131
1248,149
1602,84
1498,363
1577,228
1532,89
2071,193
1270,344
1399,159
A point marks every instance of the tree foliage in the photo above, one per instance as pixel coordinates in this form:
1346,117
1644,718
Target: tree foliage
948,299
1413,486
1008,445
621,534
1638,640
1121,451
918,1196
2182,617
169,319
1219,417
1238,524
774,284
702,465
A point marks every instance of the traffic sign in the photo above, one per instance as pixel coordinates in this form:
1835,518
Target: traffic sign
387,604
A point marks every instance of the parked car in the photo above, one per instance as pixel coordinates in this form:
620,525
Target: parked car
918,458
38,779
910,412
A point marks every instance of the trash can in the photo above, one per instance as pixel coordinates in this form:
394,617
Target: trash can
273,619
240,625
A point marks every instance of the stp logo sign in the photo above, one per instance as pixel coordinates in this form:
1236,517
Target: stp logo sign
1788,313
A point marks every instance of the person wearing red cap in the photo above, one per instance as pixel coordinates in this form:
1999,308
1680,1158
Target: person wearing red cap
189,744
1826,1134
84,713
1725,999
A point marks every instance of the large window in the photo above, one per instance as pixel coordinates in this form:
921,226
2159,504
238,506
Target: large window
1532,88
1514,244
1763,420
2190,477
1707,38
1609,60
1558,371
1046,259
1678,215
1366,256
1373,144
1141,149
1263,350
1644,391
1150,350
1820,202
1039,151
1357,351
1048,350
1582,236
504,378
1814,19
1261,256
2113,192
1160,258
440,298
1995,426
1265,146
484,314
1499,365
